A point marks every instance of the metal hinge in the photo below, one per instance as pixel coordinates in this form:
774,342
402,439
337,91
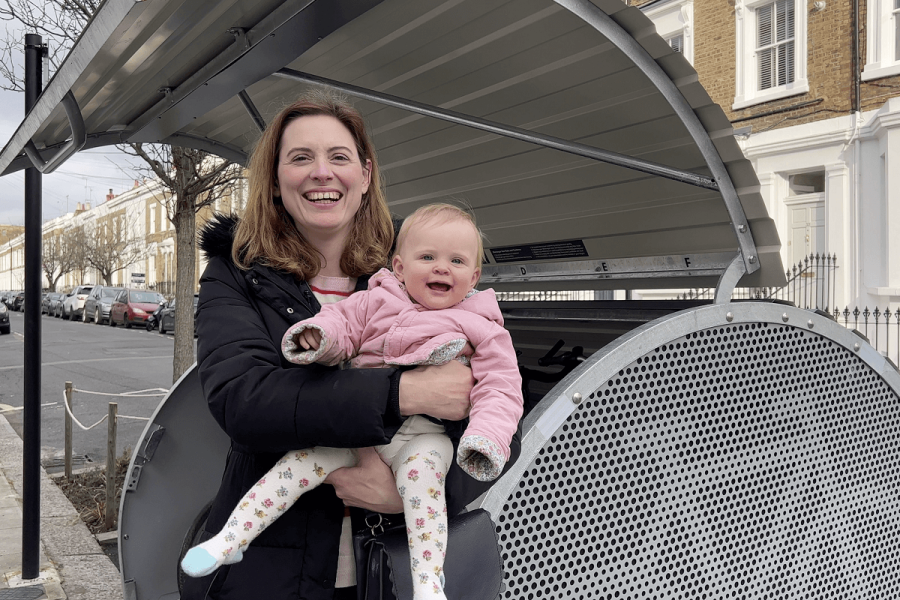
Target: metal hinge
130,591
144,455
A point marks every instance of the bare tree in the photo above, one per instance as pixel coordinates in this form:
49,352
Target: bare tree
191,179
76,243
59,22
61,254
51,257
113,244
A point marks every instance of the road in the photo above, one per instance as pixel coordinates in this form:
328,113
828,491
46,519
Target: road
94,358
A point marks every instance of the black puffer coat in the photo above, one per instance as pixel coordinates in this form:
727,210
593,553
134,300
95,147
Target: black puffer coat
269,406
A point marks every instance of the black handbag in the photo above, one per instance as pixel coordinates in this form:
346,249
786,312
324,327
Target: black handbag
473,569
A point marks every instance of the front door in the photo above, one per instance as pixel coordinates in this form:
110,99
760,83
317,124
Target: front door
806,240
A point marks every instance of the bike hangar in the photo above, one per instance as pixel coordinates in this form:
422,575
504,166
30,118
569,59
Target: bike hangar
708,450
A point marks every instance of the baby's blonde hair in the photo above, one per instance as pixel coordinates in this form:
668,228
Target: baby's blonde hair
446,213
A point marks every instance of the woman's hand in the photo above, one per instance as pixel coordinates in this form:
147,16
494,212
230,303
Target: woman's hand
370,484
441,392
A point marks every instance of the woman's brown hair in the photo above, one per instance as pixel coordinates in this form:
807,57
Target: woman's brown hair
267,234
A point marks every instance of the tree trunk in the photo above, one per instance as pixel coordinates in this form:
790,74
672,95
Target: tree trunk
185,227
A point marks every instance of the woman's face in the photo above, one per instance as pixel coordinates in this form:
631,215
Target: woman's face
319,176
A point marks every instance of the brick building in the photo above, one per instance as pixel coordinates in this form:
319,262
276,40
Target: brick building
811,88
8,232
136,220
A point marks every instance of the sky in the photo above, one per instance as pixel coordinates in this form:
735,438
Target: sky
85,177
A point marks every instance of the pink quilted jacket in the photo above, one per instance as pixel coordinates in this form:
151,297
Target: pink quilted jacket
383,327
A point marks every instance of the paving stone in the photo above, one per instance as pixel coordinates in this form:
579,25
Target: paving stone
10,516
64,537
73,565
53,502
90,578
9,562
11,540
8,496
47,582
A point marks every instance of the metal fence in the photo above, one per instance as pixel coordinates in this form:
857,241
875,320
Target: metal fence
810,284
881,328
554,295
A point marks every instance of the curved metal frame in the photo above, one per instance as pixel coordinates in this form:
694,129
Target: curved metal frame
70,147
623,40
516,133
564,399
729,279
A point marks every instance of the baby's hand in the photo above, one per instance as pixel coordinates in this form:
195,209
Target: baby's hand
309,339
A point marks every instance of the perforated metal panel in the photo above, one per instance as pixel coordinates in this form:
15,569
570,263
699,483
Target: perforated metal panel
743,460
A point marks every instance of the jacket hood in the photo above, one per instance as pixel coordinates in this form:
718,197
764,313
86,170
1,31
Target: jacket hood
217,235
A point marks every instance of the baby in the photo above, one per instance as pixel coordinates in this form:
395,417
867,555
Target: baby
424,313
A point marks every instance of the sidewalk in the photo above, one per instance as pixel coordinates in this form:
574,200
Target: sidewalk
72,565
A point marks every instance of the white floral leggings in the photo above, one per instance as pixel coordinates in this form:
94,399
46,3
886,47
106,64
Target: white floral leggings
420,463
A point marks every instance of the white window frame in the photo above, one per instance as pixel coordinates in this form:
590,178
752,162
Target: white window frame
881,23
671,38
673,19
747,92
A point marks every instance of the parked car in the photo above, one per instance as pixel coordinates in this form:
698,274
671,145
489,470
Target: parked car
99,302
10,299
18,302
5,298
47,301
167,316
73,305
133,307
55,306
4,319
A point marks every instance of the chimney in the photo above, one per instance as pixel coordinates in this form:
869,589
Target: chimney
110,195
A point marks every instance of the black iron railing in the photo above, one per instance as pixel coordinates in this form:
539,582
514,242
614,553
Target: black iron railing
881,327
810,284
568,295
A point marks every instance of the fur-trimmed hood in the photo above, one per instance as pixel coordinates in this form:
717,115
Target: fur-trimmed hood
217,235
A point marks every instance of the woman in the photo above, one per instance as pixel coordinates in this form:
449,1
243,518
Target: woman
316,225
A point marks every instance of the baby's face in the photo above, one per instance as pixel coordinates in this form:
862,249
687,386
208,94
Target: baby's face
438,262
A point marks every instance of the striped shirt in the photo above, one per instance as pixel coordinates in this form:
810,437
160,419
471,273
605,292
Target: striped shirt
326,291
331,289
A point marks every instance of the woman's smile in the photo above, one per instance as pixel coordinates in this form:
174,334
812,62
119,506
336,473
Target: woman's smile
321,180
323,197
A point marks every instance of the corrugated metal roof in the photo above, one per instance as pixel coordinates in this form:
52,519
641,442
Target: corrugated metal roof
172,70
